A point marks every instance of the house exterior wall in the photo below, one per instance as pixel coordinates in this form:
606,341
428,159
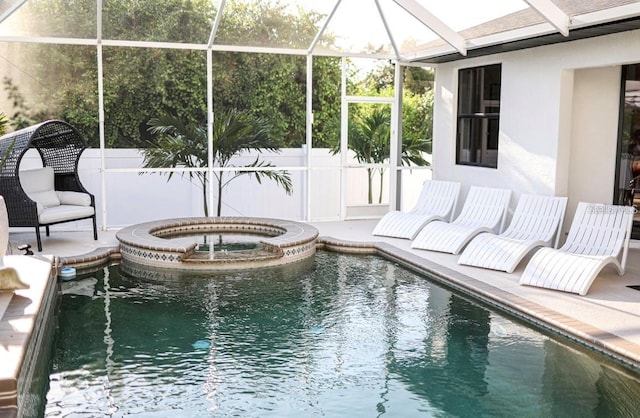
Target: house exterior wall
593,145
558,120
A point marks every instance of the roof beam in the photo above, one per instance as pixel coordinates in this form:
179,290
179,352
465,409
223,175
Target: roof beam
447,34
323,28
12,8
216,23
396,51
552,13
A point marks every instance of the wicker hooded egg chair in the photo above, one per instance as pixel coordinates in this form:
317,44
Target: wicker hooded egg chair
53,194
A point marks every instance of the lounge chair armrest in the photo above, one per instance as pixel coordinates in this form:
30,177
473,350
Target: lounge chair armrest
74,198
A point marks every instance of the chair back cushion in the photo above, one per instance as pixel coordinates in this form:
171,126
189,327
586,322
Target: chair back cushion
39,186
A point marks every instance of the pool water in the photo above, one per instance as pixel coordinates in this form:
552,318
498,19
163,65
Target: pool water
334,336
225,242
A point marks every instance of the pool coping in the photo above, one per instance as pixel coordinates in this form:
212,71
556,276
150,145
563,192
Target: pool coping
25,329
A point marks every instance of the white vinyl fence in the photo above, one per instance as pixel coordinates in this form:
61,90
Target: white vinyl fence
128,197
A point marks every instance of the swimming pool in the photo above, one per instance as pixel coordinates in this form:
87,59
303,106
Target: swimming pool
336,335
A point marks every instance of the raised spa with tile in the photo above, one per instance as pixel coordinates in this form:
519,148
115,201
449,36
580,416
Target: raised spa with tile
216,243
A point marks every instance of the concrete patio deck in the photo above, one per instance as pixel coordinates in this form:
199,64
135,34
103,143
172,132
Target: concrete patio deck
608,317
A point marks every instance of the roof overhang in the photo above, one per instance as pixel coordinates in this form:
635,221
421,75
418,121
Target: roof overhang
609,21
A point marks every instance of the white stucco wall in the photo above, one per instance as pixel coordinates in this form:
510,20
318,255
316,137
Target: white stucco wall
594,127
558,120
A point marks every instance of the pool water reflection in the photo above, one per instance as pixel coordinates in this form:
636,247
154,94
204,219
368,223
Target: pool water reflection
332,336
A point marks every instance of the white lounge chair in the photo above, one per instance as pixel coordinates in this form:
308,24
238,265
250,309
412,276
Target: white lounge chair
437,201
599,236
483,211
536,221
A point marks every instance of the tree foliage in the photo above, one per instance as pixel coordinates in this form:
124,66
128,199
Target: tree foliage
141,83
155,82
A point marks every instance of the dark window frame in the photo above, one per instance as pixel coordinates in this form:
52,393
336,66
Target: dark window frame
478,118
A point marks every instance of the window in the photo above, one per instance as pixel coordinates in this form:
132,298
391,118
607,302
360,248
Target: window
478,115
627,185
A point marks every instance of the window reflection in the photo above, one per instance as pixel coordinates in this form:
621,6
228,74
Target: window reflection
479,115
628,178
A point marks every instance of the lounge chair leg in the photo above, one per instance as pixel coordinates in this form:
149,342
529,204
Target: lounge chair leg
95,229
46,228
38,238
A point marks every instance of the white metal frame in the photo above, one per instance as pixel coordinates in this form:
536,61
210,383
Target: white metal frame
346,100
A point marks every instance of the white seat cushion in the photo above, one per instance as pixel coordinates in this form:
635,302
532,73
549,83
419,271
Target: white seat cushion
64,213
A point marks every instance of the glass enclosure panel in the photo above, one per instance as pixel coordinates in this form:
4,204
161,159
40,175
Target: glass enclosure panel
367,192
370,77
325,190
266,86
244,183
90,173
8,6
141,84
158,20
133,198
75,19
256,159
325,183
285,24
245,196
417,116
369,133
326,92
409,34
412,181
368,143
64,86
343,34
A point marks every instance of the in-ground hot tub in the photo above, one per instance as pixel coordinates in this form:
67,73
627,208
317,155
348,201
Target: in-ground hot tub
181,244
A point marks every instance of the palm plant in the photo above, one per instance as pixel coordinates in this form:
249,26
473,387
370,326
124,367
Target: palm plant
185,145
4,123
370,143
369,140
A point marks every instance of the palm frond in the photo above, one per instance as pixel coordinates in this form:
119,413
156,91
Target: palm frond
186,145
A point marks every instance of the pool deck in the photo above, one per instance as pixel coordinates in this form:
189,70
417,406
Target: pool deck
608,317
